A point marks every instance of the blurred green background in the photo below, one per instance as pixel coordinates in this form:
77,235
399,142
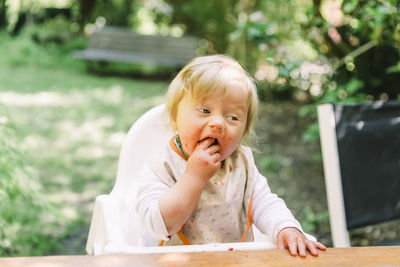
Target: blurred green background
61,125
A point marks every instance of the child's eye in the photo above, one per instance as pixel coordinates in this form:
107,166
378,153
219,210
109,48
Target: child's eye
233,118
204,110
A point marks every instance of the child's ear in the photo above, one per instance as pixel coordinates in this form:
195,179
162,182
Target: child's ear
173,124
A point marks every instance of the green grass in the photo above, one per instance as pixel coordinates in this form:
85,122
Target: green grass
70,125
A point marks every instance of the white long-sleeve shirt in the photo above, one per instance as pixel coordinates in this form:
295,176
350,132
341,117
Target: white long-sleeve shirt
270,214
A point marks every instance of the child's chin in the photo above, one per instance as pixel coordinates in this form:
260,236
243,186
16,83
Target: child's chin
226,154
223,156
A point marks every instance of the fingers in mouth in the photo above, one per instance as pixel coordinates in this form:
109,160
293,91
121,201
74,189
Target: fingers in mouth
215,141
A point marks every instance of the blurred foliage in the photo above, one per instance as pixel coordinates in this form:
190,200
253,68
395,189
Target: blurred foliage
38,46
361,40
311,220
116,12
309,51
3,12
58,30
211,20
27,218
61,130
271,164
350,53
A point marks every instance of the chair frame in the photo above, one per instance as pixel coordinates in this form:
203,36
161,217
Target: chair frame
333,179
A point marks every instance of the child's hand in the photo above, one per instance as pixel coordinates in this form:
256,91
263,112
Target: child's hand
296,242
204,162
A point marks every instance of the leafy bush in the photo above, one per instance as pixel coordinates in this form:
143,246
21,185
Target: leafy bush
58,30
22,50
312,51
26,217
311,220
343,51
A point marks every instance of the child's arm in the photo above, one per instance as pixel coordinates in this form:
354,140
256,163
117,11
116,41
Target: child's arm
178,203
272,217
270,212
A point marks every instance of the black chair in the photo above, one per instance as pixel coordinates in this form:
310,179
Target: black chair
361,156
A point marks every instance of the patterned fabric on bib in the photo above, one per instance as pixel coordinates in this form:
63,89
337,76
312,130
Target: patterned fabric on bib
221,213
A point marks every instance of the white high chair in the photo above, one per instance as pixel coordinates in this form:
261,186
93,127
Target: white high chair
111,229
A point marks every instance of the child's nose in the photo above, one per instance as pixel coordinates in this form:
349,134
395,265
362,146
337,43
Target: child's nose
217,123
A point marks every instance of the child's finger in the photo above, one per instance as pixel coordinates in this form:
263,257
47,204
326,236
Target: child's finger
215,157
319,245
280,244
218,164
301,247
292,244
213,149
204,144
312,247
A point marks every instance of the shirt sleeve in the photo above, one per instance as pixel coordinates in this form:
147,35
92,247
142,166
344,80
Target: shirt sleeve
270,213
150,189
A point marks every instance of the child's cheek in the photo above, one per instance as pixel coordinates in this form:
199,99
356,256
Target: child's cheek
189,150
230,146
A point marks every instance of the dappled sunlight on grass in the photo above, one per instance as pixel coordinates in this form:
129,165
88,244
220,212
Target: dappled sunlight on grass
69,201
34,142
72,129
92,131
3,119
117,138
69,126
93,152
110,96
36,99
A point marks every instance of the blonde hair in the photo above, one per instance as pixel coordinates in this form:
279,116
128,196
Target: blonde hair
209,74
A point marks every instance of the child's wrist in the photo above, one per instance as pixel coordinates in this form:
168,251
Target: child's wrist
194,179
290,228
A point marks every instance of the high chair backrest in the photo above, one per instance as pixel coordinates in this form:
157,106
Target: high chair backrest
150,132
147,134
112,228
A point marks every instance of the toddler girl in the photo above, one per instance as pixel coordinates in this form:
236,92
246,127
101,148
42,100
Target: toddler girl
204,185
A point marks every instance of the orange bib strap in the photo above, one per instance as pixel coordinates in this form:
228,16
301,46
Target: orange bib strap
174,148
249,218
181,235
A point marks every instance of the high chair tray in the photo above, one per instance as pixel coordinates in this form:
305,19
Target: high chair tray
117,249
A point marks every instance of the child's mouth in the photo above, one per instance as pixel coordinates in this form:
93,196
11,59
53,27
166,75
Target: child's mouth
215,142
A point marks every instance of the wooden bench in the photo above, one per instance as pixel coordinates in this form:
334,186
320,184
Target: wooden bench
113,44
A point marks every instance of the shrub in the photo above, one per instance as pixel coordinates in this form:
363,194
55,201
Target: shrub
26,217
22,50
57,30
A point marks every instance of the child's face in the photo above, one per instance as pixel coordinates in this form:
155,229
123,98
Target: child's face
220,116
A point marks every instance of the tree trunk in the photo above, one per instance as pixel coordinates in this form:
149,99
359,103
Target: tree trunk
86,8
3,14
